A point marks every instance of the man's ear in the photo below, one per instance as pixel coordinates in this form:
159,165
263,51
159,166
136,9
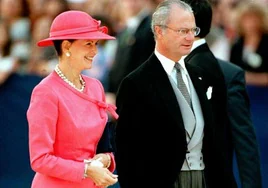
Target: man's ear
158,31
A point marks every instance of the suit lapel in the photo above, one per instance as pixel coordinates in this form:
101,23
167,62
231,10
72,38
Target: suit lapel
185,109
197,79
164,90
166,93
199,125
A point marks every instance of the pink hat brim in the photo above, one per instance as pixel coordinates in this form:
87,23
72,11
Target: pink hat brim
97,35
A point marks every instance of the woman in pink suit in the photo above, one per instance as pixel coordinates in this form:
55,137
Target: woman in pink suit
68,113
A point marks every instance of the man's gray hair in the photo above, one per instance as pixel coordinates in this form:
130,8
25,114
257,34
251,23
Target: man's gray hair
161,15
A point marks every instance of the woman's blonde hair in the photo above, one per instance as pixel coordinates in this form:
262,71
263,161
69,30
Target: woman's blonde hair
255,7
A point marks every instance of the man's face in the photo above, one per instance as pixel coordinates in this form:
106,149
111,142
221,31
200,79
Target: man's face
174,44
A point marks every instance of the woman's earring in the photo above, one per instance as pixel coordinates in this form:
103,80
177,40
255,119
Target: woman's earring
68,54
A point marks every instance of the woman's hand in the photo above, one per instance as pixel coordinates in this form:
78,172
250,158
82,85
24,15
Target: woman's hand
101,176
105,159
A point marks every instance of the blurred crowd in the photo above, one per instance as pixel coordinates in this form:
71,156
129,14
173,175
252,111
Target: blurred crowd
24,22
239,34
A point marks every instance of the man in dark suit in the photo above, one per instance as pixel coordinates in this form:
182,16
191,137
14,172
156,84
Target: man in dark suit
202,57
135,42
164,137
244,137
230,108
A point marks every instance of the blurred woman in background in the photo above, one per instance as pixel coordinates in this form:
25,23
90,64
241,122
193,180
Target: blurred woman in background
249,50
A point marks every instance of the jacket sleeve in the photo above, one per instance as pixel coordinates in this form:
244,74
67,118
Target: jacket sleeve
244,137
42,118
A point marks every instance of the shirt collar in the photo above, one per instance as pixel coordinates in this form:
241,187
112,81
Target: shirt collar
168,64
197,43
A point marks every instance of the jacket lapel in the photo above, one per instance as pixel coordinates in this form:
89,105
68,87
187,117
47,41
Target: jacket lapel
199,126
195,74
164,90
185,109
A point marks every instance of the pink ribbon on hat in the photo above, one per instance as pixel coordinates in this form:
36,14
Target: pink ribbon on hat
65,32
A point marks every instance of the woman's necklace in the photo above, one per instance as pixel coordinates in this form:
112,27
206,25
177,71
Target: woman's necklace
65,79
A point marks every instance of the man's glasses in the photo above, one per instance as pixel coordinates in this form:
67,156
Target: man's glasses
184,32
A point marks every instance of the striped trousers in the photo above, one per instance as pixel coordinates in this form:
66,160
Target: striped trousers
191,179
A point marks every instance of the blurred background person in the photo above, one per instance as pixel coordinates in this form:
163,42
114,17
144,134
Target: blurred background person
52,8
108,8
8,63
135,42
77,4
41,60
229,101
15,91
222,31
249,50
16,14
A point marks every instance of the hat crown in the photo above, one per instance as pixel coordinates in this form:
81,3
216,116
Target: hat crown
71,22
75,24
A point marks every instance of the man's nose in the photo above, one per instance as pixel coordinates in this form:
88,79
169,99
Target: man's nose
190,35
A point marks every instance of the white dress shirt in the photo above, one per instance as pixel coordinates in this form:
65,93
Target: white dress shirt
168,65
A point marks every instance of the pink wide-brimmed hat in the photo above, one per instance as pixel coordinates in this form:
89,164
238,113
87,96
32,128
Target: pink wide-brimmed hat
75,25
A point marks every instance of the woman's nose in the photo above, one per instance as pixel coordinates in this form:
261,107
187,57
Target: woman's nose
95,49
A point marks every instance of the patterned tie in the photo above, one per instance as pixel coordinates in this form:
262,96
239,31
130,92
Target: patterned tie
181,85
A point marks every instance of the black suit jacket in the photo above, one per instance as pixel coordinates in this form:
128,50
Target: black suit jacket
131,52
244,137
150,135
213,77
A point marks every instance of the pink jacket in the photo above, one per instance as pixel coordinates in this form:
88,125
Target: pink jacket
65,126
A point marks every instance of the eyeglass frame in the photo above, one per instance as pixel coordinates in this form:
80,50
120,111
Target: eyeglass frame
195,30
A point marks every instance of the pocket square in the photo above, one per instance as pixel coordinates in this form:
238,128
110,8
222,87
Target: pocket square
209,92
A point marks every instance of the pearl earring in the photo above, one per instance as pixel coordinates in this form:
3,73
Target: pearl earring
68,54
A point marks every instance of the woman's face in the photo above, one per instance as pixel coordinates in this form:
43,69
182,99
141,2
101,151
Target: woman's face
82,54
251,23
